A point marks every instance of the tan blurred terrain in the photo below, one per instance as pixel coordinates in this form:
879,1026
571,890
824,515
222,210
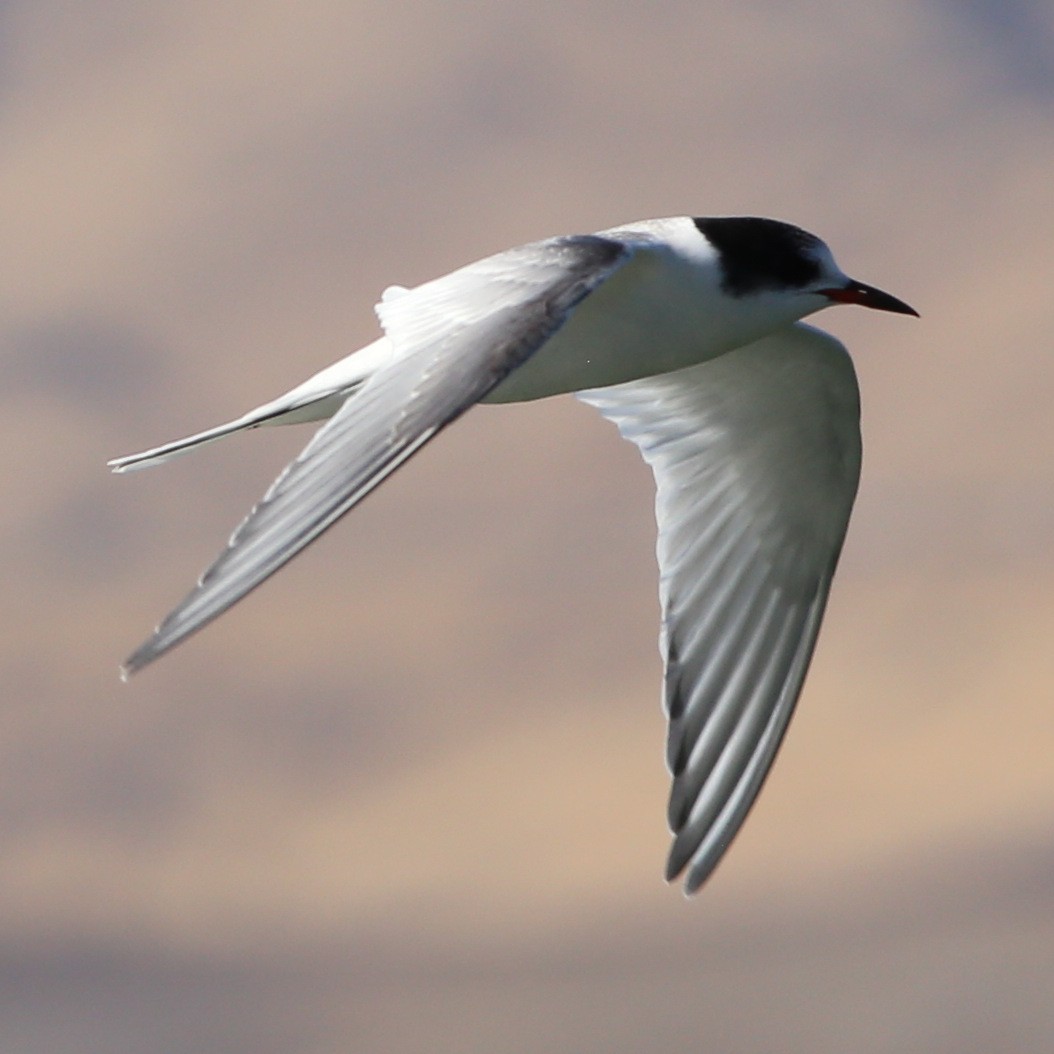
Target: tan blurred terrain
410,795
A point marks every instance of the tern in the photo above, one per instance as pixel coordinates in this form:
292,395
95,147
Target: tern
687,334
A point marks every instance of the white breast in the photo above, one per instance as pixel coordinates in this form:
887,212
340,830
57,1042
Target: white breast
663,311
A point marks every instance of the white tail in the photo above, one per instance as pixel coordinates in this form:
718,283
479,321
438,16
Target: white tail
319,397
158,454
277,413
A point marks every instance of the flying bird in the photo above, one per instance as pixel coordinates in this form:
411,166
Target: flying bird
687,334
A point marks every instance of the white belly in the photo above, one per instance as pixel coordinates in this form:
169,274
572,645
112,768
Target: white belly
653,317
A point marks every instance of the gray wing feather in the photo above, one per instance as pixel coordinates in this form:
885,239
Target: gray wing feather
756,456
454,339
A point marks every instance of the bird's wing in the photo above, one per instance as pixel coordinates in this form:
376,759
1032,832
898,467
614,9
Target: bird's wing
756,456
454,339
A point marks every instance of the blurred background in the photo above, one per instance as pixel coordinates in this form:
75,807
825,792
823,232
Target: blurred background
410,795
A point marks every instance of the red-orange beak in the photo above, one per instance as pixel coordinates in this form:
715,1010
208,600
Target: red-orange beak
868,296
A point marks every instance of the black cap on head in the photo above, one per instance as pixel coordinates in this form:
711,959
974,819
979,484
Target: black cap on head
757,254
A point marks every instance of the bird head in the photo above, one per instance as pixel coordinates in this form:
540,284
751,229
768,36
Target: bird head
762,256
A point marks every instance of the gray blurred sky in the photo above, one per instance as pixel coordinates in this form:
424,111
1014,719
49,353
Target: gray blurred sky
410,795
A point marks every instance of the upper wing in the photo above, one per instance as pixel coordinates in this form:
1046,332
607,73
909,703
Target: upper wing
756,456
454,339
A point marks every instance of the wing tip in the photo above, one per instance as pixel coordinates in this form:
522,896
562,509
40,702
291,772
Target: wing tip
699,869
688,887
145,654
